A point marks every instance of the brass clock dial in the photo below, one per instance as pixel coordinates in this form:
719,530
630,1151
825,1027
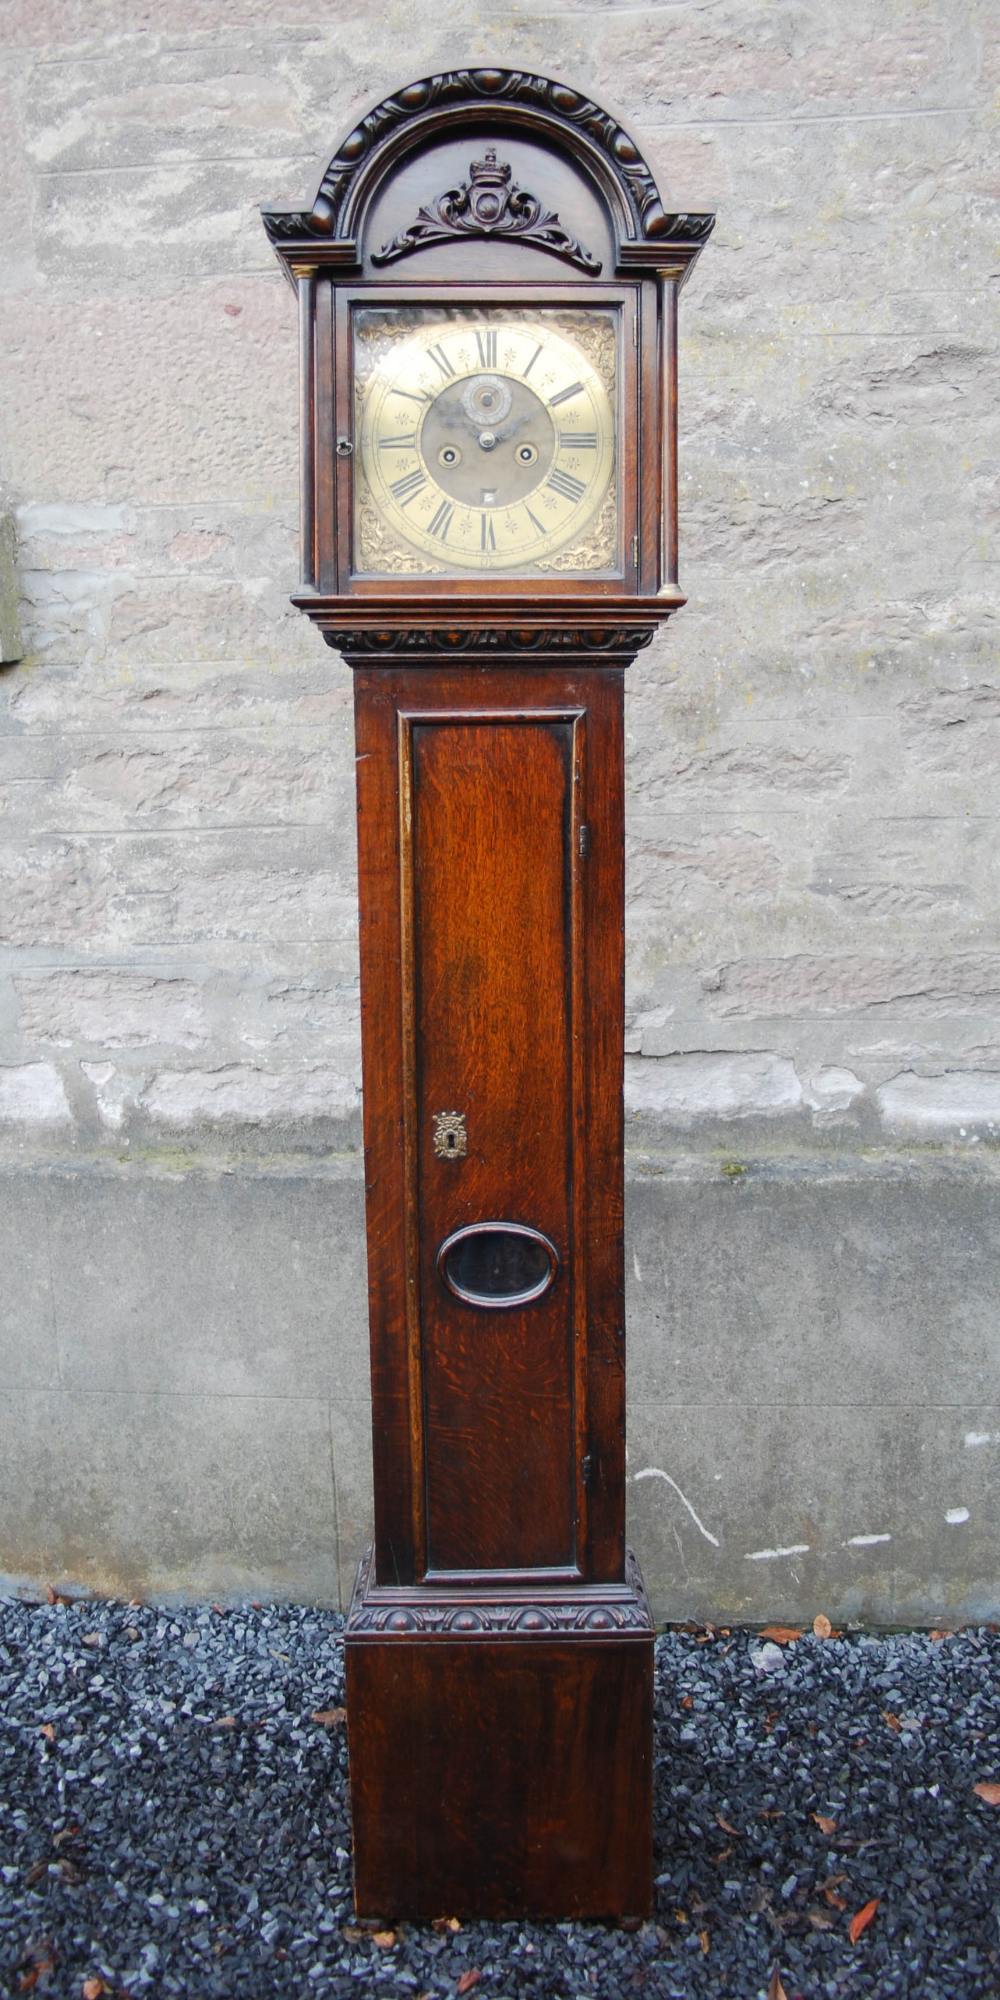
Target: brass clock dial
485,441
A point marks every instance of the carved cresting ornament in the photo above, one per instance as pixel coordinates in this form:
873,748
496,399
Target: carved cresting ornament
489,203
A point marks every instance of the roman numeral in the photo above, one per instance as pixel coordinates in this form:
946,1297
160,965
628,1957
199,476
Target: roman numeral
575,389
401,443
578,440
487,537
438,355
565,483
406,489
539,526
527,371
486,341
438,523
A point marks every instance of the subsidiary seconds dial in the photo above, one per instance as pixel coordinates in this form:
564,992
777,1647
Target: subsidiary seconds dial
487,443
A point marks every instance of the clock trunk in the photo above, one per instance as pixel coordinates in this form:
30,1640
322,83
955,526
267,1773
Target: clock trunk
497,1620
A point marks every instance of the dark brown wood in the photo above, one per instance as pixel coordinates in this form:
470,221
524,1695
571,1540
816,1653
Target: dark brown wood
305,279
499,1644
531,1732
489,847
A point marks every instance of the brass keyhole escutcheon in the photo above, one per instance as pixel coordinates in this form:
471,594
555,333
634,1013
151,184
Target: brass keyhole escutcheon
450,1136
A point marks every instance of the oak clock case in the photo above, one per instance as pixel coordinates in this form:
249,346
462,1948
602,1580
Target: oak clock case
487,284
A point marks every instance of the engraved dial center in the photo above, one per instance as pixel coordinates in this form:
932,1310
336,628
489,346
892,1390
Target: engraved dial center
521,442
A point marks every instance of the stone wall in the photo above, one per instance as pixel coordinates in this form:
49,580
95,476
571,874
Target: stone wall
813,1069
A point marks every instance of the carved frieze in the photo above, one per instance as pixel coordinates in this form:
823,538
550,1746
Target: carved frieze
554,639
591,1611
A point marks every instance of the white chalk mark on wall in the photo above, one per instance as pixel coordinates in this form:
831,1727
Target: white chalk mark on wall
956,1516
865,1541
653,1472
974,1438
770,1555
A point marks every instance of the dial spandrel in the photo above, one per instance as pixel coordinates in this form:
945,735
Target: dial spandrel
485,441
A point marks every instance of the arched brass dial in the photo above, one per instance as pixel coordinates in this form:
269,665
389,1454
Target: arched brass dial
487,442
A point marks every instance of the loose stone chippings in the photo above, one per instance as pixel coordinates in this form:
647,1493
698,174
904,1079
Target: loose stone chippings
173,1821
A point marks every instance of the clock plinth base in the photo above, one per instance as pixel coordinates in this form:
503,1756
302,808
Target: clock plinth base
501,1750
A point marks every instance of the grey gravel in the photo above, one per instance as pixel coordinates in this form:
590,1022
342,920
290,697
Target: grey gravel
173,1821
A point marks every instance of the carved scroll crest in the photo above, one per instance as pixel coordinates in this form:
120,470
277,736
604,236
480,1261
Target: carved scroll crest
489,203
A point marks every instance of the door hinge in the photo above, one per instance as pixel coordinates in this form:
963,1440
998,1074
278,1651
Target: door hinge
635,552
586,1469
584,842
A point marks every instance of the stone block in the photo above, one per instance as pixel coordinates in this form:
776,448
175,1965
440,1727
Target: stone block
287,1100
96,697
785,61
351,1432
925,982
747,1514
33,1097
111,1008
960,1101
945,1547
11,643
29,1357
193,1283
723,773
852,1285
107,892
680,1090
117,110
151,1495
180,782
165,395
57,891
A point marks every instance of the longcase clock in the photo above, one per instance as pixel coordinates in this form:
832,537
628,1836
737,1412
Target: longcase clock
487,284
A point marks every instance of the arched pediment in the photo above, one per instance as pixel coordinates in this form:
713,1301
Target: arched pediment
553,115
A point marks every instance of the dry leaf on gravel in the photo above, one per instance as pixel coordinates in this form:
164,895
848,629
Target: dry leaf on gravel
93,1989
384,1939
825,1824
705,1942
891,1721
775,1990
861,1919
822,1626
35,1974
444,1924
48,1730
783,1635
329,1718
468,1980
989,1792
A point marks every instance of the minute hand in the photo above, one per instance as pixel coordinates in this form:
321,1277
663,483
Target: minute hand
511,430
